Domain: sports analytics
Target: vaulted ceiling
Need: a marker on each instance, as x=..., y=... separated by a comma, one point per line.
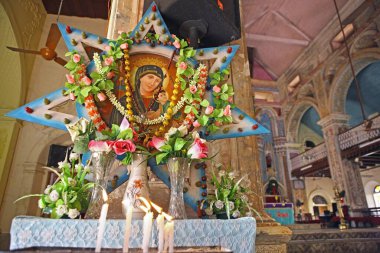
x=279, y=30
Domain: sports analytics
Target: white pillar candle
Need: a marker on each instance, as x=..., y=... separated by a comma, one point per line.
x=160, y=226
x=171, y=236
x=128, y=224
x=147, y=231
x=102, y=222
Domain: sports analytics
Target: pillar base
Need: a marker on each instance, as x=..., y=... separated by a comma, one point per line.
x=272, y=237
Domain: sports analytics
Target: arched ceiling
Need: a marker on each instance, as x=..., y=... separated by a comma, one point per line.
x=280, y=30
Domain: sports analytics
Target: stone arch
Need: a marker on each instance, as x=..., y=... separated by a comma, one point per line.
x=343, y=78
x=368, y=190
x=273, y=117
x=295, y=115
x=325, y=194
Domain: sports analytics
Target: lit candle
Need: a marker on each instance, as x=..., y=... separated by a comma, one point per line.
x=102, y=222
x=169, y=233
x=160, y=226
x=147, y=224
x=128, y=224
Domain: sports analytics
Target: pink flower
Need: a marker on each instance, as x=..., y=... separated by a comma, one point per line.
x=108, y=61
x=110, y=75
x=216, y=89
x=177, y=44
x=70, y=78
x=196, y=124
x=193, y=89
x=101, y=96
x=227, y=111
x=86, y=80
x=124, y=46
x=72, y=96
x=198, y=149
x=107, y=48
x=76, y=58
x=183, y=65
x=124, y=124
x=157, y=142
x=123, y=146
x=218, y=123
x=230, y=99
x=98, y=146
x=209, y=110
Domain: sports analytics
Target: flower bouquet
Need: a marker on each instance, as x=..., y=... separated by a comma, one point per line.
x=230, y=199
x=69, y=195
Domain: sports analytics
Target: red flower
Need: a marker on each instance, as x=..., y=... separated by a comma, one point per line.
x=198, y=149
x=122, y=146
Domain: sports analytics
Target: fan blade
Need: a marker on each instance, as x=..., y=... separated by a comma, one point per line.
x=23, y=50
x=60, y=61
x=53, y=37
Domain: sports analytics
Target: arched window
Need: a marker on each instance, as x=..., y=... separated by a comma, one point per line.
x=309, y=144
x=319, y=200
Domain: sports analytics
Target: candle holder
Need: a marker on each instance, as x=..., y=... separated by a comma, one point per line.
x=177, y=167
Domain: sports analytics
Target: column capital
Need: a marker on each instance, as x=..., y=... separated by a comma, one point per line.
x=334, y=119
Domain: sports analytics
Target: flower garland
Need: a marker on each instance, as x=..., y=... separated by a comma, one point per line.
x=199, y=111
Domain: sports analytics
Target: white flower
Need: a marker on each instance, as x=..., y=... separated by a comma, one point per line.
x=54, y=195
x=61, y=210
x=231, y=175
x=47, y=190
x=63, y=164
x=72, y=181
x=236, y=214
x=209, y=211
x=244, y=198
x=222, y=173
x=219, y=204
x=87, y=169
x=183, y=130
x=77, y=166
x=248, y=214
x=41, y=204
x=231, y=204
x=171, y=132
x=73, y=213
x=195, y=135
x=73, y=156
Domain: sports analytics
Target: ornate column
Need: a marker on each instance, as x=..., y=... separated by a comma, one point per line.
x=282, y=170
x=343, y=172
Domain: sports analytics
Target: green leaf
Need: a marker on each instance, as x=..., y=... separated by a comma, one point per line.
x=203, y=120
x=224, y=97
x=166, y=148
x=160, y=157
x=109, y=85
x=127, y=134
x=205, y=103
x=85, y=91
x=70, y=65
x=188, y=109
x=224, y=87
x=179, y=143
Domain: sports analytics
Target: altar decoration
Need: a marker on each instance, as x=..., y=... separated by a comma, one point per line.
x=154, y=80
x=283, y=213
x=68, y=196
x=27, y=232
x=230, y=199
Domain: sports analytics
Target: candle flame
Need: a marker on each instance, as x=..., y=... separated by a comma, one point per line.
x=167, y=216
x=105, y=196
x=156, y=207
x=146, y=203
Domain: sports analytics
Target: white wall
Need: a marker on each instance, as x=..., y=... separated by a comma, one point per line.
x=319, y=186
x=370, y=179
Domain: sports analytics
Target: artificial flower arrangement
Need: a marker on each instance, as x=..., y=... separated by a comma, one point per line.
x=118, y=139
x=179, y=143
x=69, y=194
x=190, y=81
x=230, y=199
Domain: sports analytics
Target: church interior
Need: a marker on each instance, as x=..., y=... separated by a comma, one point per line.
x=307, y=71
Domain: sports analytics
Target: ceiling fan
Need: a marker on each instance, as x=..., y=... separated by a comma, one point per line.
x=48, y=52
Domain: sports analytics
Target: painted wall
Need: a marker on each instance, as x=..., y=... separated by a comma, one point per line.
x=370, y=179
x=27, y=175
x=319, y=186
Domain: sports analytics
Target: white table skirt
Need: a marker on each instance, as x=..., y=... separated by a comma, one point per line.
x=26, y=232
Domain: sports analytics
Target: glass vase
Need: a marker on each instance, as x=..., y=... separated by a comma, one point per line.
x=177, y=167
x=137, y=185
x=101, y=163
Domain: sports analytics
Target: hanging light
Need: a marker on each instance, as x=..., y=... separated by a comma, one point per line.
x=367, y=123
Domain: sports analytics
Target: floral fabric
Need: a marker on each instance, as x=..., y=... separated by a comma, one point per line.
x=237, y=235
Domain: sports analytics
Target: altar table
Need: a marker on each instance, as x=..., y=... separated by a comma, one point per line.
x=26, y=232
x=281, y=212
